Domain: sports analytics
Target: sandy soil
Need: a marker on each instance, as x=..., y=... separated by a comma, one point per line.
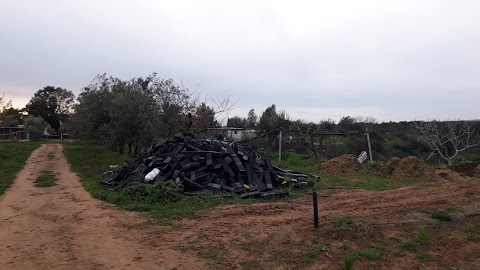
x=62, y=227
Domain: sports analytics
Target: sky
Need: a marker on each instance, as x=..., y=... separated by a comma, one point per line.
x=390, y=60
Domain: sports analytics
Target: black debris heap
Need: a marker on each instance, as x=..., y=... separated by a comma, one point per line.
x=195, y=163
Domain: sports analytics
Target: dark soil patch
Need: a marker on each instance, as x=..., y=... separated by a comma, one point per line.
x=465, y=168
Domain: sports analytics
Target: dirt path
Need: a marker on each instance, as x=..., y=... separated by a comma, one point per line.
x=62, y=227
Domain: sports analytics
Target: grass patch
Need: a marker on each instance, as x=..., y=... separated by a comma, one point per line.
x=347, y=220
x=422, y=237
x=51, y=156
x=312, y=253
x=347, y=262
x=13, y=156
x=442, y=216
x=473, y=233
x=46, y=179
x=368, y=181
x=424, y=257
x=367, y=253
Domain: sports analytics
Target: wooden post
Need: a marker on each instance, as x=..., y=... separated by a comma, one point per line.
x=280, y=146
x=369, y=145
x=315, y=210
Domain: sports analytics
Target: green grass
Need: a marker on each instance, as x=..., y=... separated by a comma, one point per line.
x=422, y=236
x=473, y=233
x=347, y=220
x=13, y=156
x=367, y=253
x=90, y=161
x=312, y=253
x=442, y=215
x=46, y=179
x=347, y=262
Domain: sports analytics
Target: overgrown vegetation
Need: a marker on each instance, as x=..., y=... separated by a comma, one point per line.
x=46, y=179
x=313, y=252
x=473, y=233
x=347, y=220
x=89, y=161
x=13, y=156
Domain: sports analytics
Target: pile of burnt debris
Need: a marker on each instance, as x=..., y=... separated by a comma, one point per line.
x=195, y=163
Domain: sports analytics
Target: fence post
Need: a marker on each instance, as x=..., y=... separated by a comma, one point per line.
x=369, y=145
x=280, y=146
x=315, y=210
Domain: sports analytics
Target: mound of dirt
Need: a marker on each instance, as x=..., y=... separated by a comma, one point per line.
x=448, y=174
x=388, y=168
x=409, y=167
x=465, y=168
x=342, y=165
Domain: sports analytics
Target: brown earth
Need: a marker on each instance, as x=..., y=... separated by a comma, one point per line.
x=409, y=167
x=465, y=168
x=342, y=165
x=64, y=228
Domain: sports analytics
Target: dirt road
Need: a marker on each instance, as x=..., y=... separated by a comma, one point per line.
x=62, y=227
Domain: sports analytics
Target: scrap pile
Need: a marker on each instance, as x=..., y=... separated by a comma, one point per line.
x=195, y=163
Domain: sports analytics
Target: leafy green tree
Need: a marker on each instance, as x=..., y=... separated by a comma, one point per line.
x=204, y=117
x=9, y=116
x=35, y=127
x=54, y=104
x=252, y=119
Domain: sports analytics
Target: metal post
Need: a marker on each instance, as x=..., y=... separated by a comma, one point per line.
x=315, y=210
x=369, y=145
x=280, y=146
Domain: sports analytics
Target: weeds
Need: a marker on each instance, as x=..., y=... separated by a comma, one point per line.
x=46, y=179
x=422, y=237
x=424, y=257
x=366, y=253
x=441, y=215
x=347, y=220
x=312, y=253
x=473, y=233
x=347, y=262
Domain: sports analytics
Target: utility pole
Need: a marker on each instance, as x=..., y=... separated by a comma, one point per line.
x=369, y=145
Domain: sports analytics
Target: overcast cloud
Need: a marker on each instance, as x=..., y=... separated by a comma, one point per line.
x=392, y=60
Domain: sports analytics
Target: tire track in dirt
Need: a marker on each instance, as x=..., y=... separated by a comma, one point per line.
x=62, y=227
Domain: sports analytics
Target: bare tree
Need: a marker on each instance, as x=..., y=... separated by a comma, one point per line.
x=447, y=139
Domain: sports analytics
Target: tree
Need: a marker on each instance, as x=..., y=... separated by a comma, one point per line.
x=272, y=120
x=9, y=116
x=252, y=119
x=237, y=122
x=204, y=117
x=447, y=139
x=35, y=127
x=54, y=104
